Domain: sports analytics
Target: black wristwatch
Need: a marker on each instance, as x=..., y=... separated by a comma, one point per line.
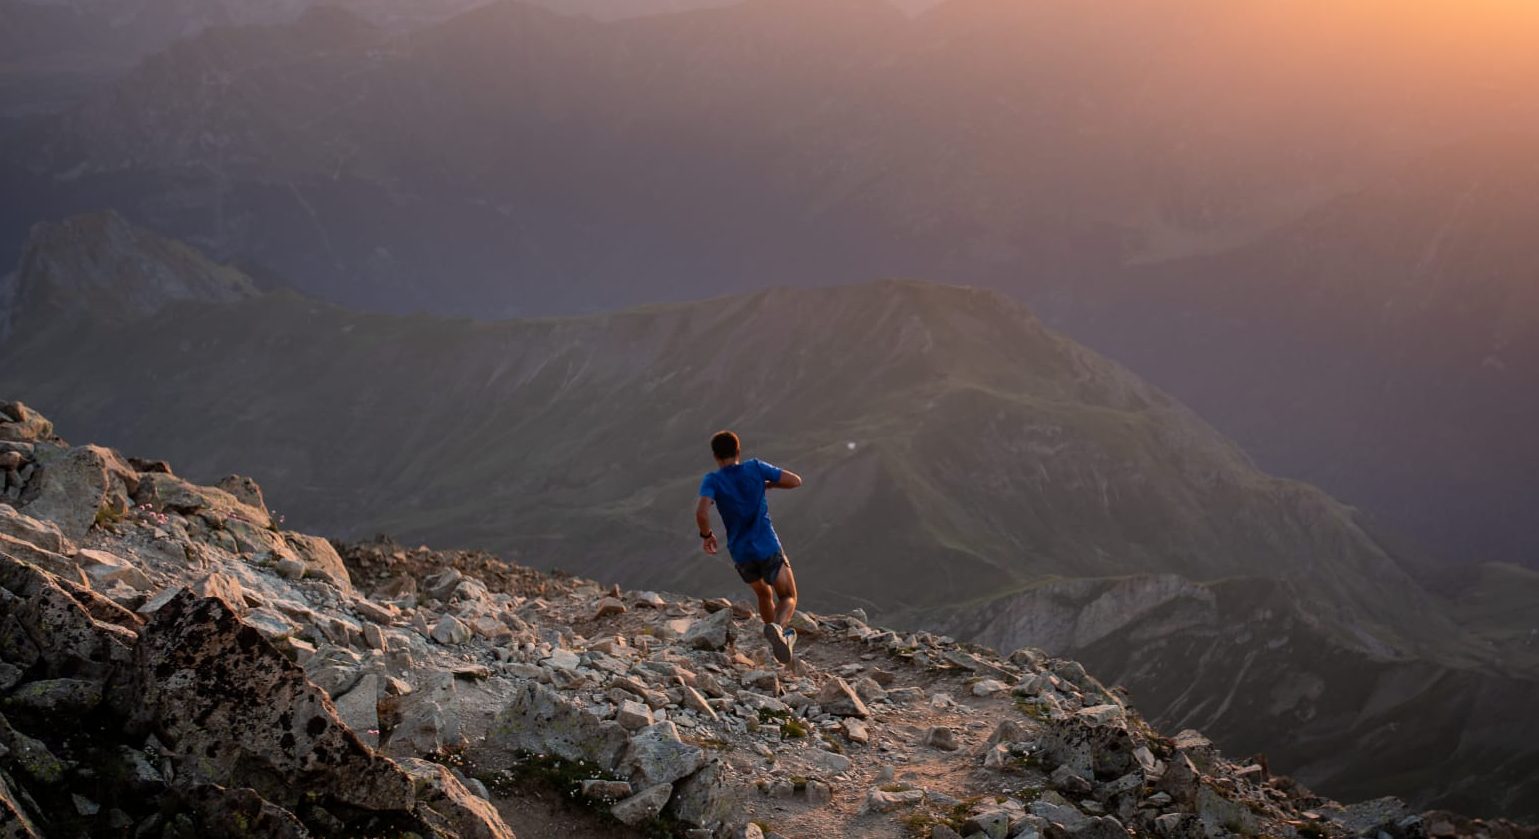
x=706, y=535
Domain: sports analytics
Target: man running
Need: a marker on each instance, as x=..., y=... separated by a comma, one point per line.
x=737, y=489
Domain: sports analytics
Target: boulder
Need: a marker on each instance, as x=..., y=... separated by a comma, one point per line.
x=56, y=698
x=79, y=486
x=941, y=737
x=644, y=806
x=602, y=789
x=609, y=606
x=634, y=716
x=165, y=491
x=245, y=490
x=710, y=633
x=20, y=423
x=45, y=559
x=219, y=811
x=838, y=698
x=451, y=631
x=827, y=762
x=449, y=806
x=42, y=534
x=657, y=755
x=1095, y=745
x=702, y=799
x=424, y=721
x=542, y=721
x=320, y=559
x=884, y=801
x=69, y=630
x=103, y=569
x=359, y=708
x=244, y=716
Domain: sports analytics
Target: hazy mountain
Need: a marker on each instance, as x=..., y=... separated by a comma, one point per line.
x=967, y=469
x=1386, y=346
x=1020, y=145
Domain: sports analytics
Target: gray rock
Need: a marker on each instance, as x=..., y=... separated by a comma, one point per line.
x=103, y=569
x=76, y=485
x=43, y=534
x=601, y=789
x=47, y=560
x=564, y=660
x=634, y=716
x=421, y=721
x=451, y=631
x=882, y=801
x=657, y=755
x=74, y=632
x=319, y=560
x=711, y=633
x=214, y=688
x=941, y=737
x=469, y=816
x=541, y=720
x=56, y=697
x=1055, y=809
x=989, y=687
x=1103, y=714
x=359, y=708
x=994, y=823
x=643, y=806
x=826, y=761
x=702, y=799
x=608, y=606
x=838, y=698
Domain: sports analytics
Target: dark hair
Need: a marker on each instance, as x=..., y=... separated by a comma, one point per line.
x=725, y=445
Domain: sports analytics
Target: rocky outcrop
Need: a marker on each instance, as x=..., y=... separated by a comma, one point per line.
x=171, y=672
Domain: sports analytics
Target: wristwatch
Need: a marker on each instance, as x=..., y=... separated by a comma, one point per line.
x=706, y=535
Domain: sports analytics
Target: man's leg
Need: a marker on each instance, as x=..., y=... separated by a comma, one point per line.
x=766, y=597
x=785, y=592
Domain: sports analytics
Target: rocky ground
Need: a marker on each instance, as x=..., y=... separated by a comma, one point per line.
x=174, y=663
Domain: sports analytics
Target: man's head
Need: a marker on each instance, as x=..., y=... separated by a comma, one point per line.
x=725, y=445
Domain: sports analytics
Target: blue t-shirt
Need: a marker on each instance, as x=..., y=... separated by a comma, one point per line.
x=738, y=491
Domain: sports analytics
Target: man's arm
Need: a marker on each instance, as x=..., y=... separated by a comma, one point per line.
x=788, y=480
x=703, y=523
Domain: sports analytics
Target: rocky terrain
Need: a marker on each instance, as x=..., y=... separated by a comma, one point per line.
x=1104, y=522
x=174, y=663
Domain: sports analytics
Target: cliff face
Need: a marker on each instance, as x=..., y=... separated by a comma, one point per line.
x=173, y=661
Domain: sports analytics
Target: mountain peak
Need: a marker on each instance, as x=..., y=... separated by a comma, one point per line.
x=99, y=266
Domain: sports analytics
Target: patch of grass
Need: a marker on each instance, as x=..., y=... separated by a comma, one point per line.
x=715, y=744
x=107, y=515
x=1030, y=709
x=793, y=728
x=772, y=715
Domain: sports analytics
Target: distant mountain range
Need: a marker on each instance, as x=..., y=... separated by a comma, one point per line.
x=1384, y=346
x=968, y=469
x=1228, y=199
